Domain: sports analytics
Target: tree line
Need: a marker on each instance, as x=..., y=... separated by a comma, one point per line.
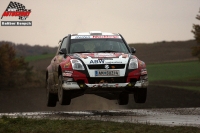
x=14, y=70
x=196, y=32
x=26, y=49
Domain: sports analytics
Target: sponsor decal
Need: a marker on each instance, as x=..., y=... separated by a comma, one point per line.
x=68, y=71
x=104, y=55
x=96, y=61
x=96, y=36
x=82, y=37
x=106, y=36
x=105, y=85
x=67, y=74
x=15, y=9
x=113, y=62
x=67, y=65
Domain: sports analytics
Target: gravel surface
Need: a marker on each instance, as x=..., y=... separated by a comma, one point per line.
x=169, y=117
x=164, y=106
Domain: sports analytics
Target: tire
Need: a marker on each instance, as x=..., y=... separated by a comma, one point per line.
x=140, y=95
x=123, y=98
x=64, y=97
x=51, y=97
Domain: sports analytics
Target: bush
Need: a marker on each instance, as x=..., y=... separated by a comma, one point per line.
x=13, y=70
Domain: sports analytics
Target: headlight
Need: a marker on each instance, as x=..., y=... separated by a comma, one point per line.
x=133, y=64
x=77, y=65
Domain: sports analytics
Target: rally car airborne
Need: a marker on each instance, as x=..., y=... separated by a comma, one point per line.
x=97, y=63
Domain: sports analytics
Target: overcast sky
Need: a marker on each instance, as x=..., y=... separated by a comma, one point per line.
x=139, y=21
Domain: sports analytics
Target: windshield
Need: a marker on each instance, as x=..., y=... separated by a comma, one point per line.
x=97, y=45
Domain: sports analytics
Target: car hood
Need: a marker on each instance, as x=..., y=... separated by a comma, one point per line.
x=103, y=58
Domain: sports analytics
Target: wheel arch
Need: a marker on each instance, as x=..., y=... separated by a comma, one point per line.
x=47, y=75
x=59, y=71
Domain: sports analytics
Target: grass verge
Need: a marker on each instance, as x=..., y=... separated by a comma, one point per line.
x=174, y=71
x=22, y=125
x=182, y=75
x=38, y=57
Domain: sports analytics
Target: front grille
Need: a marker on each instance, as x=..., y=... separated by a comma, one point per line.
x=107, y=80
x=110, y=66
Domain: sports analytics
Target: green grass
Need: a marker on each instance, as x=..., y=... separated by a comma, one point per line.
x=38, y=57
x=174, y=71
x=25, y=125
x=182, y=75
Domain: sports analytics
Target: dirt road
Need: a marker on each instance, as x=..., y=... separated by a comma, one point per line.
x=165, y=98
x=28, y=100
x=169, y=117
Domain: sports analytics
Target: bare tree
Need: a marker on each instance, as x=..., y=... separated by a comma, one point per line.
x=13, y=70
x=196, y=32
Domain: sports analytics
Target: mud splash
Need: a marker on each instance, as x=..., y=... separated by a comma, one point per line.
x=168, y=117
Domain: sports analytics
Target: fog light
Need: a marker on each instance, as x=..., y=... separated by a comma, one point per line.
x=129, y=84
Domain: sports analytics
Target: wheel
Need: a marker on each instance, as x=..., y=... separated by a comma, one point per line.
x=123, y=98
x=140, y=95
x=64, y=97
x=51, y=97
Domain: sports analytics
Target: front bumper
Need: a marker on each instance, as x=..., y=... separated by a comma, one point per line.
x=76, y=86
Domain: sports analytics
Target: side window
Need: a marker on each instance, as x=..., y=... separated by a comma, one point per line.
x=64, y=43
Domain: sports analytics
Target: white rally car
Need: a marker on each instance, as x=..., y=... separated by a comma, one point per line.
x=97, y=63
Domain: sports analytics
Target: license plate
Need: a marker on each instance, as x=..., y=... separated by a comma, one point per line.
x=107, y=73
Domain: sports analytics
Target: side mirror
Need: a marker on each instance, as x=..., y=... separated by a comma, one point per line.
x=59, y=41
x=133, y=50
x=62, y=51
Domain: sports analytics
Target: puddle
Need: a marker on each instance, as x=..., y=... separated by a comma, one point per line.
x=169, y=117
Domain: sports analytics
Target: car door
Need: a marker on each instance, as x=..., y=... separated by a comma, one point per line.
x=58, y=59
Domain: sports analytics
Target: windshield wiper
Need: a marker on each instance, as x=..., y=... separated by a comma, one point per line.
x=107, y=51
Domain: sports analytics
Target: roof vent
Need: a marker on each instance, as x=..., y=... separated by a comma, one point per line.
x=95, y=33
